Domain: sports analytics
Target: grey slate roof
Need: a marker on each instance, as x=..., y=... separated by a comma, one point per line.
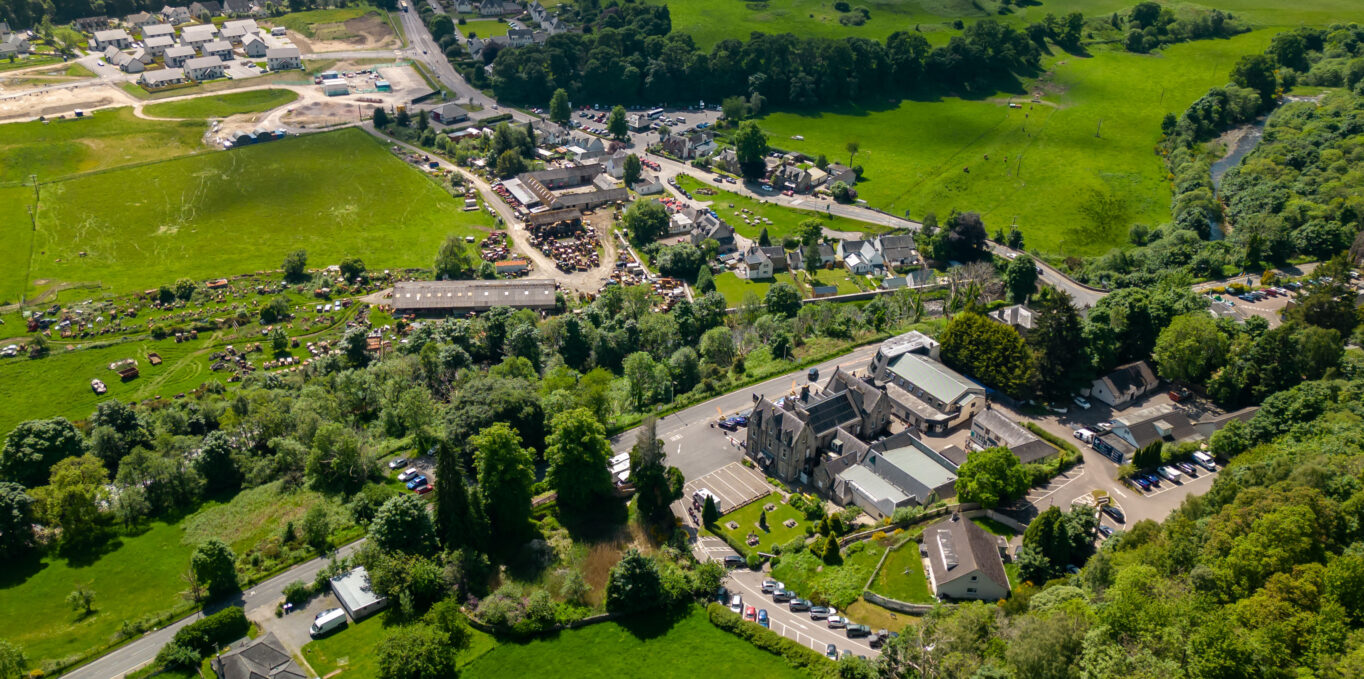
x=959, y=547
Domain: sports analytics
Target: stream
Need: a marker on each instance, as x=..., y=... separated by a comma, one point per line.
x=1244, y=145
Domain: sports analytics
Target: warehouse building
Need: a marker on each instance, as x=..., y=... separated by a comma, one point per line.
x=435, y=298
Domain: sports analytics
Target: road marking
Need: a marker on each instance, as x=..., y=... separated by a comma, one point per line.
x=675, y=437
x=1119, y=492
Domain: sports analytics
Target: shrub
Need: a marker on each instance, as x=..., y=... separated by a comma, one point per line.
x=297, y=592
x=765, y=639
x=202, y=636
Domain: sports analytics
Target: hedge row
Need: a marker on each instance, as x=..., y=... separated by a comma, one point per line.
x=219, y=629
x=766, y=639
x=493, y=120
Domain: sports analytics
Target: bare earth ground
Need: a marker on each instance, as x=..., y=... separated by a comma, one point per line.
x=61, y=101
x=365, y=33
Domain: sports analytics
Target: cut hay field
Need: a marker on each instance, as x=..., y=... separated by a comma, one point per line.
x=306, y=22
x=1071, y=192
x=105, y=139
x=710, y=21
x=335, y=194
x=222, y=105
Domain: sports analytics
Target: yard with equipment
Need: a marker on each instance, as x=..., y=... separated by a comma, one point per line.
x=1075, y=169
x=222, y=105
x=334, y=194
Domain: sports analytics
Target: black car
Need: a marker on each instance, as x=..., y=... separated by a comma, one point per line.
x=813, y=374
x=854, y=631
x=735, y=561
x=875, y=640
x=1114, y=513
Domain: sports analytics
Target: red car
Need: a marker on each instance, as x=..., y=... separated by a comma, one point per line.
x=424, y=489
x=750, y=613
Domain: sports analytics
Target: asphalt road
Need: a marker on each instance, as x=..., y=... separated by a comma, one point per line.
x=798, y=626
x=1082, y=295
x=138, y=653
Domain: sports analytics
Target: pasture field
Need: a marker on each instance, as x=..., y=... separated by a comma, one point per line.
x=710, y=21
x=649, y=645
x=334, y=194
x=222, y=105
x=734, y=207
x=137, y=577
x=306, y=23
x=1071, y=192
x=105, y=139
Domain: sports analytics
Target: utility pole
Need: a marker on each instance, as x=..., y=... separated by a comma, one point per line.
x=32, y=240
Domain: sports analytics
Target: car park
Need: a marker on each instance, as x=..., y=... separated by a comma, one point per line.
x=769, y=585
x=875, y=640
x=1153, y=480
x=751, y=614
x=821, y=612
x=735, y=561
x=1205, y=461
x=408, y=474
x=1141, y=482
x=422, y=490
x=396, y=463
x=853, y=631
x=736, y=603
x=836, y=622
x=763, y=619
x=417, y=482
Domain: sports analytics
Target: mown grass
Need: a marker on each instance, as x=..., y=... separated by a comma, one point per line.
x=994, y=527
x=222, y=105
x=837, y=277
x=305, y=22
x=776, y=533
x=730, y=206
x=485, y=29
x=334, y=194
x=734, y=288
x=1071, y=192
x=902, y=576
x=104, y=139
x=650, y=646
x=351, y=653
x=137, y=577
x=835, y=585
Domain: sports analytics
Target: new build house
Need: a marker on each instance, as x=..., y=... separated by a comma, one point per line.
x=283, y=58
x=204, y=68
x=113, y=37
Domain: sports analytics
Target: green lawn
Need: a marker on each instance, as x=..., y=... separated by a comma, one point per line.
x=730, y=206
x=104, y=139
x=776, y=533
x=994, y=527
x=334, y=194
x=838, y=586
x=485, y=29
x=28, y=62
x=305, y=23
x=139, y=577
x=1072, y=193
x=902, y=576
x=223, y=105
x=649, y=646
x=734, y=288
x=350, y=652
x=837, y=277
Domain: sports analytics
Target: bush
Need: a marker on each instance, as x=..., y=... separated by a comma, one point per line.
x=203, y=636
x=765, y=639
x=297, y=592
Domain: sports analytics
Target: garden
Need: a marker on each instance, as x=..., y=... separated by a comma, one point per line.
x=837, y=584
x=902, y=576
x=784, y=524
x=735, y=288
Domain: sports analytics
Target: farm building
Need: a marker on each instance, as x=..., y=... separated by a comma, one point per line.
x=512, y=267
x=449, y=114
x=353, y=590
x=204, y=68
x=455, y=297
x=283, y=58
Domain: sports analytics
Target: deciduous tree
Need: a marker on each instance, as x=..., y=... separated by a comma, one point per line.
x=214, y=565
x=991, y=477
x=505, y=476
x=33, y=446
x=578, y=453
x=403, y=525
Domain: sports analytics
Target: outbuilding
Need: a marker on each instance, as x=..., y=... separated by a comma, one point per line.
x=356, y=595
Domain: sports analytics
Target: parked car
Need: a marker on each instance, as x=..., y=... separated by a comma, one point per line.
x=875, y=639
x=1141, y=482
x=736, y=603
x=408, y=474
x=783, y=595
x=396, y=463
x=1169, y=473
x=763, y=619
x=735, y=561
x=813, y=374
x=1114, y=513
x=821, y=612
x=798, y=605
x=1105, y=531
x=769, y=585
x=846, y=654
x=831, y=652
x=1187, y=468
x=727, y=424
x=836, y=622
x=1154, y=480
x=424, y=489
x=1072, y=569
x=417, y=482
x=854, y=631
x=751, y=614
x=327, y=621
x=1205, y=461
x=1080, y=401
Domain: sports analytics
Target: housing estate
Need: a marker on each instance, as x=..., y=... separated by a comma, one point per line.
x=204, y=68
x=113, y=37
x=164, y=77
x=964, y=561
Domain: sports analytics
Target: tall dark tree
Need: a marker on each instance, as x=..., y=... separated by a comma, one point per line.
x=1058, y=344
x=578, y=453
x=216, y=462
x=16, y=521
x=657, y=486
x=32, y=447
x=505, y=475
x=456, y=518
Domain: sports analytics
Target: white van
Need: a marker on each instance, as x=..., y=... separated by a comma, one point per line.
x=326, y=621
x=1170, y=473
x=1205, y=461
x=699, y=498
x=1085, y=435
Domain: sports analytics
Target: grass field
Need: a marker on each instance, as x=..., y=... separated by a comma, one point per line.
x=902, y=576
x=838, y=586
x=141, y=576
x=485, y=29
x=28, y=62
x=648, y=646
x=730, y=206
x=59, y=385
x=839, y=278
x=306, y=22
x=734, y=288
x=222, y=105
x=335, y=194
x=1071, y=192
x=710, y=21
x=776, y=533
x=350, y=652
x=105, y=139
